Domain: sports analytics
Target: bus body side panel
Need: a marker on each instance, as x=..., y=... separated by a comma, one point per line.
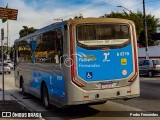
x=52, y=74
x=34, y=73
x=66, y=66
x=23, y=72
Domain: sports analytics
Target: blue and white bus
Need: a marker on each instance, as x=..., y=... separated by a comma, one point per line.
x=80, y=61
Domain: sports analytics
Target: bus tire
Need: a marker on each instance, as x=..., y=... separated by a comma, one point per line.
x=45, y=97
x=22, y=86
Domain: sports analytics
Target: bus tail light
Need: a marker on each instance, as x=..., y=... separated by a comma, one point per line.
x=133, y=78
x=74, y=80
x=129, y=91
x=86, y=96
x=78, y=83
x=135, y=57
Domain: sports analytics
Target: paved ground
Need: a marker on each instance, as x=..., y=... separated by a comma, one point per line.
x=149, y=89
x=9, y=107
x=9, y=104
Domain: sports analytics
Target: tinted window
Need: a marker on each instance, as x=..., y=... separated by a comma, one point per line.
x=141, y=63
x=24, y=52
x=48, y=45
x=4, y=64
x=146, y=62
x=157, y=62
x=97, y=36
x=102, y=32
x=43, y=48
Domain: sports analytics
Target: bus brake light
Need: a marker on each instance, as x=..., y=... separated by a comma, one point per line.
x=78, y=83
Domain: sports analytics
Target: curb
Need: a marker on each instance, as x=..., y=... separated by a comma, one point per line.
x=13, y=98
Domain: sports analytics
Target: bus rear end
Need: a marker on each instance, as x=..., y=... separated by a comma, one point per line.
x=104, y=60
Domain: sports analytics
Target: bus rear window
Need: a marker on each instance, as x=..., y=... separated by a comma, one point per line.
x=93, y=36
x=102, y=32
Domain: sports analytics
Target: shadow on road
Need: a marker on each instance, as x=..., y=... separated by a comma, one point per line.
x=71, y=112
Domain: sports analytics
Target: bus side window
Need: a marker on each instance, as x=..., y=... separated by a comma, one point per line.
x=18, y=53
x=59, y=46
x=16, y=56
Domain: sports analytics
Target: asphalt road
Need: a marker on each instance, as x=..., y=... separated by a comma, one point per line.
x=148, y=101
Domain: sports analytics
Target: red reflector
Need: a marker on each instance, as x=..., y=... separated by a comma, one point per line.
x=133, y=78
x=129, y=91
x=80, y=84
x=86, y=96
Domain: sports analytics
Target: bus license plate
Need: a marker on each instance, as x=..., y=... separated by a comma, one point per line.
x=106, y=85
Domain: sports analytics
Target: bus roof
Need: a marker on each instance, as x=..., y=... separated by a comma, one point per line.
x=112, y=20
x=74, y=21
x=40, y=31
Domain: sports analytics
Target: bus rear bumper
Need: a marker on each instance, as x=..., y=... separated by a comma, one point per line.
x=104, y=96
x=108, y=99
x=124, y=93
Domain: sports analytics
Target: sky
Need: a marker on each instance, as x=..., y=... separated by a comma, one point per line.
x=40, y=13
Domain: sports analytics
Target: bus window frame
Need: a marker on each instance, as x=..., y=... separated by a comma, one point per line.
x=95, y=47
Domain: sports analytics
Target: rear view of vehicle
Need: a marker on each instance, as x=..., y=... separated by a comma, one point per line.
x=88, y=60
x=10, y=63
x=104, y=60
x=7, y=69
x=149, y=67
x=156, y=66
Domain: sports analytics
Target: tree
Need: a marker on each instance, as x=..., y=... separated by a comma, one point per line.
x=80, y=16
x=26, y=31
x=137, y=18
x=5, y=52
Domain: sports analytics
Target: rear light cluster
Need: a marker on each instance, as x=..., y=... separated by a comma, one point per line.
x=135, y=56
x=74, y=80
x=133, y=78
x=78, y=83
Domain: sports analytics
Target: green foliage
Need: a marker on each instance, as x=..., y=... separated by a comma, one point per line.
x=5, y=51
x=137, y=18
x=26, y=31
x=78, y=17
x=4, y=20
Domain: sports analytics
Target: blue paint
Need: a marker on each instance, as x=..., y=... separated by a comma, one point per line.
x=32, y=45
x=54, y=82
x=104, y=65
x=89, y=75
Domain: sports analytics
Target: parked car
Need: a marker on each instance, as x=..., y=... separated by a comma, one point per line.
x=10, y=63
x=7, y=69
x=149, y=67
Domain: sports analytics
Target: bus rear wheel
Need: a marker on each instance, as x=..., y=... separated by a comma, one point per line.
x=45, y=97
x=22, y=86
